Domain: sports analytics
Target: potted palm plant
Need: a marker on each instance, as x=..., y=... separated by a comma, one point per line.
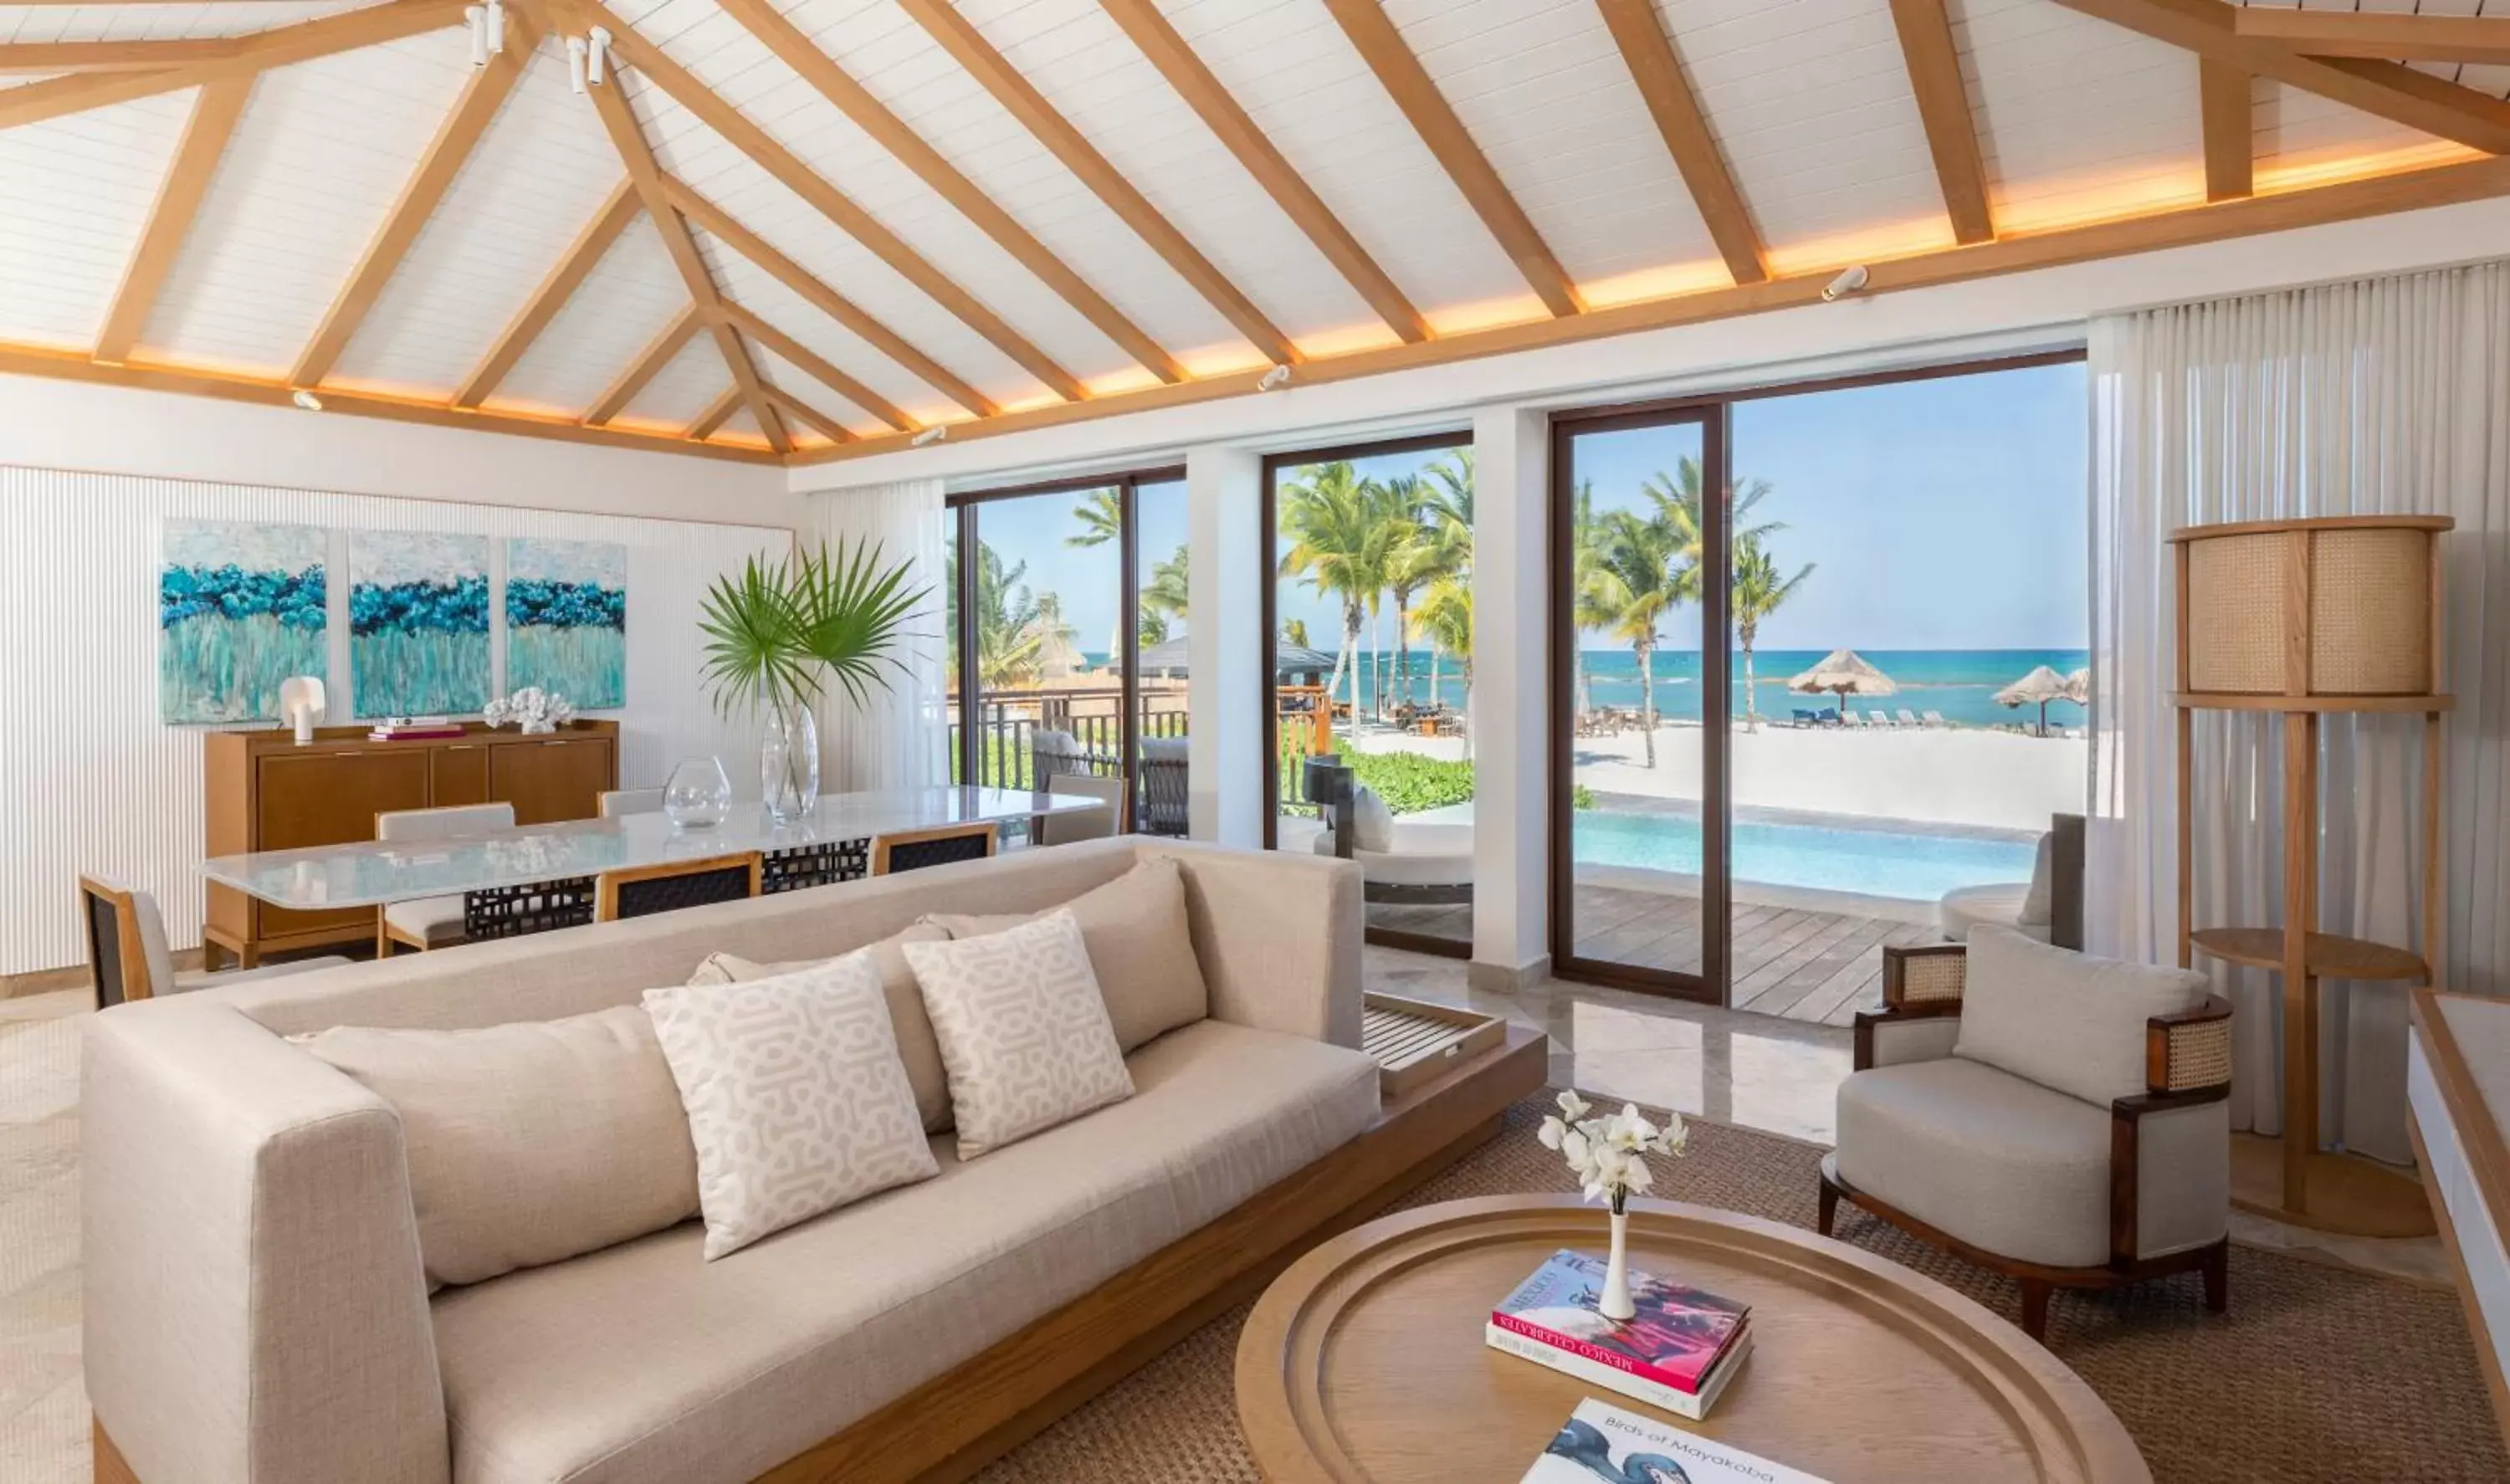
x=777, y=632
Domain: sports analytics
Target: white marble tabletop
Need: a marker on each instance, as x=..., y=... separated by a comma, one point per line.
x=372, y=873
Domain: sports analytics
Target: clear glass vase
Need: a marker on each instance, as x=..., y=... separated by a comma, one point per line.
x=698, y=794
x=789, y=762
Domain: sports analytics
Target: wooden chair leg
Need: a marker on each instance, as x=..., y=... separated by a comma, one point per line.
x=2035, y=1309
x=2218, y=1277
x=1829, y=1208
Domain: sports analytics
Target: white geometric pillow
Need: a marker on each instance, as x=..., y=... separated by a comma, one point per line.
x=796, y=1099
x=1023, y=1030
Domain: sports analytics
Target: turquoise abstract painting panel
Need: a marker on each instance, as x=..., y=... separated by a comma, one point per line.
x=418, y=622
x=239, y=608
x=566, y=619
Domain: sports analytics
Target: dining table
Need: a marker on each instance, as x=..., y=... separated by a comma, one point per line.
x=831, y=838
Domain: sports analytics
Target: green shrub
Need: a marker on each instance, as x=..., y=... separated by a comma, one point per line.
x=1408, y=782
x=1581, y=796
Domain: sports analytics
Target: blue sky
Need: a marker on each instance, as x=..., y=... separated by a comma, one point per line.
x=1949, y=514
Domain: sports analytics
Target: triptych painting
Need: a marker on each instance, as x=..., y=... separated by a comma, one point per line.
x=244, y=606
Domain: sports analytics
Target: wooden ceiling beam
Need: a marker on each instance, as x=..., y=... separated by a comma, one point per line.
x=1943, y=106
x=573, y=267
x=2154, y=232
x=1648, y=51
x=629, y=137
x=20, y=57
x=648, y=364
x=188, y=381
x=2379, y=34
x=1402, y=74
x=683, y=87
x=2226, y=99
x=968, y=45
x=2384, y=89
x=482, y=96
x=215, y=112
x=719, y=224
x=56, y=97
x=793, y=406
x=717, y=413
x=818, y=366
x=855, y=101
x=1202, y=92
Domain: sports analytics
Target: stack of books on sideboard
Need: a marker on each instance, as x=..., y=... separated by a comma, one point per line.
x=1678, y=1352
x=415, y=728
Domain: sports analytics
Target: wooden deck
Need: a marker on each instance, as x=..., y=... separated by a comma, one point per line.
x=1798, y=962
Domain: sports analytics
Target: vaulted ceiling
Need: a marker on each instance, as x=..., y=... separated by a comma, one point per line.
x=780, y=229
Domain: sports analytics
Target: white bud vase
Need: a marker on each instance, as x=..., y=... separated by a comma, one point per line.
x=1615, y=1303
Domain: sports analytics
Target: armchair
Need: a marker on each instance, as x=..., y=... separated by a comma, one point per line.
x=2075, y=1134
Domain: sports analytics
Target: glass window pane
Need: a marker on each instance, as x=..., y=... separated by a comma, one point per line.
x=1162, y=616
x=1046, y=644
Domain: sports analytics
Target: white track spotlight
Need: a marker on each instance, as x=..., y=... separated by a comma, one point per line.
x=497, y=26
x=1274, y=380
x=575, y=58
x=600, y=59
x=475, y=16
x=306, y=400
x=931, y=436
x=1847, y=282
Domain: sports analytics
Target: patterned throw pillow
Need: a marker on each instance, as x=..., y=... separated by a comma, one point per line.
x=1023, y=1030
x=796, y=1099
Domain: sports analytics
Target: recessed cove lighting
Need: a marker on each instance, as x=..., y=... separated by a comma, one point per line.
x=306, y=400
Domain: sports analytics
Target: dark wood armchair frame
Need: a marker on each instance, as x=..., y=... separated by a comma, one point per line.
x=2187, y=1062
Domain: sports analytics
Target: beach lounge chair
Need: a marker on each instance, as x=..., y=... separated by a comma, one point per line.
x=1806, y=717
x=1936, y=719
x=1879, y=719
x=1908, y=718
x=1829, y=716
x=1848, y=717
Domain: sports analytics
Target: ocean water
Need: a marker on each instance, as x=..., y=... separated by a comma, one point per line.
x=1872, y=861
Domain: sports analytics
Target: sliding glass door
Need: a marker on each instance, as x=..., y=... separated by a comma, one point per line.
x=1048, y=614
x=1821, y=664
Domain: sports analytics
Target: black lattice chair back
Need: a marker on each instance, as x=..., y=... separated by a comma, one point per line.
x=917, y=848
x=648, y=890
x=101, y=912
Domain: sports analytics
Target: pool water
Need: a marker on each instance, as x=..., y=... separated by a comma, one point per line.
x=1872, y=862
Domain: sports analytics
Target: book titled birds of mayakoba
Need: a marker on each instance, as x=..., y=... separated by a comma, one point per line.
x=1674, y=1340
x=1603, y=1444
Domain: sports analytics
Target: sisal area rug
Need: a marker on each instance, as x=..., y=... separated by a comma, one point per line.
x=2318, y=1373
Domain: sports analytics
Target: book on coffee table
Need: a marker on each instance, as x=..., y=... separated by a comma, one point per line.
x=1602, y=1443
x=1678, y=1352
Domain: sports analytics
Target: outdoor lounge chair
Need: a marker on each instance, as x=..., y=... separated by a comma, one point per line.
x=1848, y=717
x=1908, y=718
x=1936, y=719
x=1804, y=717
x=1427, y=865
x=1880, y=718
x=2050, y=906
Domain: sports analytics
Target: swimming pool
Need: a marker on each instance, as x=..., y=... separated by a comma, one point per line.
x=1873, y=863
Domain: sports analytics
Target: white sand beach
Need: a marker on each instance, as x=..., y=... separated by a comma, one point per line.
x=1949, y=775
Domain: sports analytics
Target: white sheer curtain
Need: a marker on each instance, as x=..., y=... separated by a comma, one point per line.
x=2386, y=394
x=898, y=737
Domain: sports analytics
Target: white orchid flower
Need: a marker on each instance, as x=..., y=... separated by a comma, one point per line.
x=1572, y=1106
x=1550, y=1135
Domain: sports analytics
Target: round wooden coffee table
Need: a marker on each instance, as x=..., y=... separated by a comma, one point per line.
x=1365, y=1360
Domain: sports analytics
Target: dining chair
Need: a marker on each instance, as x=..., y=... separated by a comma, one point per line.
x=1091, y=825
x=642, y=891
x=912, y=850
x=127, y=956
x=617, y=802
x=431, y=922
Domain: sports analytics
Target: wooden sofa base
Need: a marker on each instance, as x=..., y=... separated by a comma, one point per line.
x=957, y=1423
x=2038, y=1279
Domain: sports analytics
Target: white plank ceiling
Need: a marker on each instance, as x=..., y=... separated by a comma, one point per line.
x=1809, y=102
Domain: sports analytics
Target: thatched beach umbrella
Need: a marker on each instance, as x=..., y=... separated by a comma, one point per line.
x=2042, y=685
x=1844, y=672
x=2079, y=686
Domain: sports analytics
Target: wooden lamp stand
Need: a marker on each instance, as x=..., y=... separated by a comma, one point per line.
x=2303, y=618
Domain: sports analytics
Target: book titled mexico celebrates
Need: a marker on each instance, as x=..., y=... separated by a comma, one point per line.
x=1603, y=1444
x=1678, y=1350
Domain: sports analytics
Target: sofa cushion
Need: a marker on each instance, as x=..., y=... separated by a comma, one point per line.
x=2002, y=1163
x=1141, y=948
x=529, y=1143
x=642, y=1365
x=2064, y=1019
x=1023, y=1030
x=916, y=1046
x=2040, y=901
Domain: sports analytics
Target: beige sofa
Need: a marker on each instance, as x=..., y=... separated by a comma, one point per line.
x=255, y=1309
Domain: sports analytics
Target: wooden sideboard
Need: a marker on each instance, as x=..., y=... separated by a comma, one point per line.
x=267, y=793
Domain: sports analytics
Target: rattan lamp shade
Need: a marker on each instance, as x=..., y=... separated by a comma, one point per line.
x=2335, y=614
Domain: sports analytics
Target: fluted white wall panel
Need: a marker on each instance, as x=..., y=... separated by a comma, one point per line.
x=92, y=780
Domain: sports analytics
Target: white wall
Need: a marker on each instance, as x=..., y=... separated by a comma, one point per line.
x=50, y=424
x=91, y=781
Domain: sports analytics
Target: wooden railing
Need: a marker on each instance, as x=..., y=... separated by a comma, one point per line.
x=1007, y=722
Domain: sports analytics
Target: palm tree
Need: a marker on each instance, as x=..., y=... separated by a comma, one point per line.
x=1589, y=597
x=1758, y=592
x=1416, y=559
x=1164, y=596
x=1007, y=641
x=1638, y=580
x=1295, y=631
x=1447, y=525
x=1339, y=546
x=1445, y=618
x=1101, y=513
